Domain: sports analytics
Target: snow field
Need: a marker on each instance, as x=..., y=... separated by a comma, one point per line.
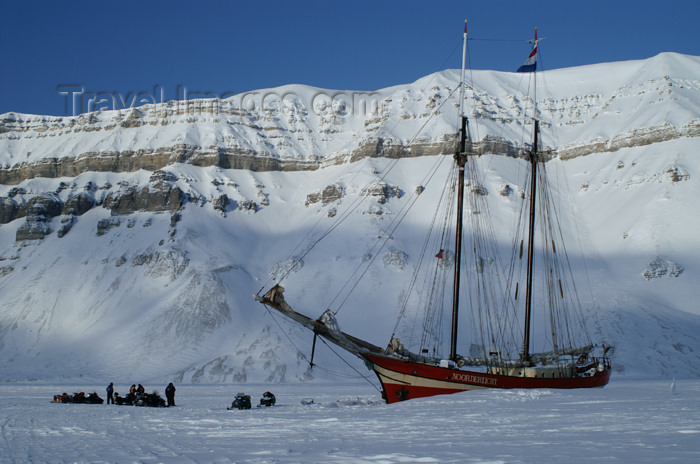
x=627, y=421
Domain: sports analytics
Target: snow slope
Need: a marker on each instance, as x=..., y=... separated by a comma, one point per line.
x=157, y=297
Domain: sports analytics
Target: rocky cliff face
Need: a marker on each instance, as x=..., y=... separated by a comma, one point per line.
x=71, y=201
x=300, y=128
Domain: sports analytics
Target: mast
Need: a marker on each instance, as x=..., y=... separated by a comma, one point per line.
x=531, y=225
x=460, y=159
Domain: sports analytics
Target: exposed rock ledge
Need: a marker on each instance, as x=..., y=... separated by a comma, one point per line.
x=633, y=138
x=155, y=159
x=152, y=160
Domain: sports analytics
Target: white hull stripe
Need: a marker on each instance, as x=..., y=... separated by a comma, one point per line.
x=396, y=378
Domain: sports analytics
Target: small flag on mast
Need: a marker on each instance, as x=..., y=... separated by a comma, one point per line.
x=530, y=64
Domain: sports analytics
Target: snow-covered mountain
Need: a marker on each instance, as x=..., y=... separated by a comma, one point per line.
x=132, y=241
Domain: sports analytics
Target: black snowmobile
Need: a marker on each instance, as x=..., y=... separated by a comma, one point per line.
x=268, y=399
x=242, y=401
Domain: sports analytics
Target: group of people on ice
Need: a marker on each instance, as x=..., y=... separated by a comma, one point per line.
x=137, y=396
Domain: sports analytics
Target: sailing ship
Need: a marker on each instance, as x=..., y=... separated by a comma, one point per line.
x=504, y=357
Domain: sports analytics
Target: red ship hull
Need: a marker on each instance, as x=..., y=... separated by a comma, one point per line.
x=404, y=380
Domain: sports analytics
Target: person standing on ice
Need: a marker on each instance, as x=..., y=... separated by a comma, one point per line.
x=110, y=392
x=170, y=394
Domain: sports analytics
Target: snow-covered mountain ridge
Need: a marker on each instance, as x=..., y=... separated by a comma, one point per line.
x=594, y=108
x=131, y=241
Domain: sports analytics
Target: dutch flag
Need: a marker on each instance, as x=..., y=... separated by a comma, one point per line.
x=531, y=63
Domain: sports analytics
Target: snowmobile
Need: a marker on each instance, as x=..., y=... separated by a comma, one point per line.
x=242, y=401
x=149, y=399
x=268, y=399
x=80, y=398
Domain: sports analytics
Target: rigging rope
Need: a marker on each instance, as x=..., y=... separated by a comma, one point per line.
x=497, y=40
x=383, y=239
x=365, y=192
x=305, y=358
x=349, y=365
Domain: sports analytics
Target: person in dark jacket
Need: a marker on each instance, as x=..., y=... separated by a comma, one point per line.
x=170, y=394
x=110, y=392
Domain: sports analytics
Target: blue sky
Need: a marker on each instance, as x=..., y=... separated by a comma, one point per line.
x=220, y=48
